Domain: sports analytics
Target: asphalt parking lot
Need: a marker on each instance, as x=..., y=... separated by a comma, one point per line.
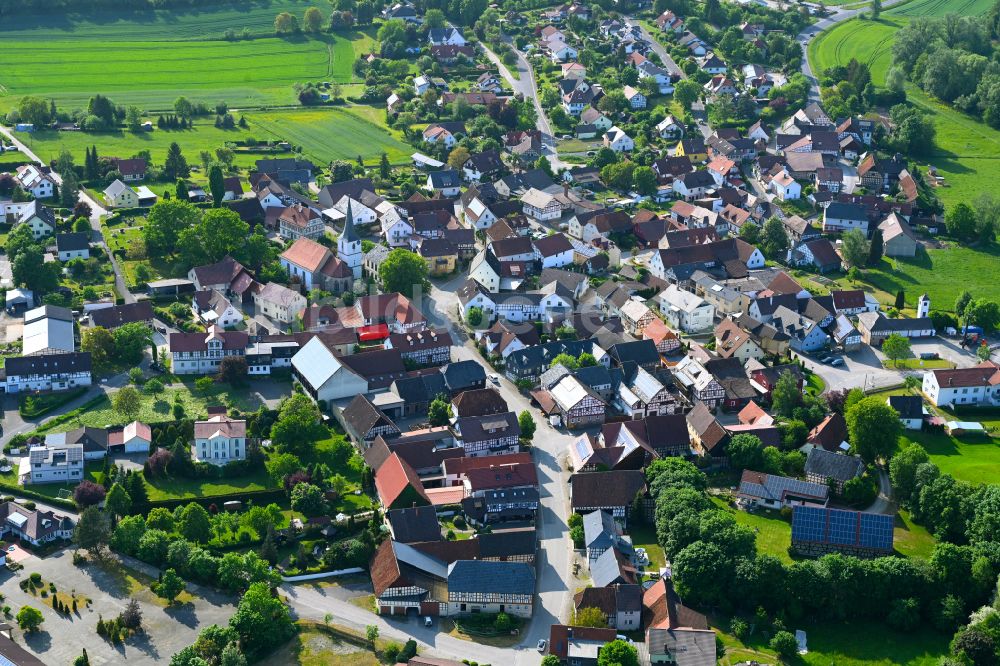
x=167, y=629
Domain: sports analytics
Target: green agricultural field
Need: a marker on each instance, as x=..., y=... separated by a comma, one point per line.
x=325, y=134
x=203, y=136
x=151, y=57
x=966, y=151
x=338, y=133
x=869, y=42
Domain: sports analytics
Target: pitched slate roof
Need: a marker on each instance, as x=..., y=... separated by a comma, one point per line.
x=776, y=488
x=837, y=466
x=414, y=524
x=488, y=577
x=908, y=406
x=479, y=402
x=616, y=488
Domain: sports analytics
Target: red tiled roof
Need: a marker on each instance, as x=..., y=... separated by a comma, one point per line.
x=306, y=253
x=392, y=479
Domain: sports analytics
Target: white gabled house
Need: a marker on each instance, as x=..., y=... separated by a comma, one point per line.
x=617, y=140
x=670, y=128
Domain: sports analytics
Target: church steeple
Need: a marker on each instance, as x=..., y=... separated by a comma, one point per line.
x=349, y=244
x=350, y=234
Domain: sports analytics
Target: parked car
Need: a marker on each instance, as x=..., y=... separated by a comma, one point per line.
x=542, y=643
x=495, y=379
x=428, y=621
x=837, y=362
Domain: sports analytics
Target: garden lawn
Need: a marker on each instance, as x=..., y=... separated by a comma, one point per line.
x=91, y=469
x=324, y=452
x=158, y=408
x=204, y=135
x=843, y=644
x=645, y=537
x=151, y=57
x=313, y=646
x=333, y=133
x=973, y=458
x=918, y=364
x=773, y=533
x=910, y=539
x=171, y=488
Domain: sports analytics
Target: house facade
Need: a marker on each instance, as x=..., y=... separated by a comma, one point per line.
x=219, y=440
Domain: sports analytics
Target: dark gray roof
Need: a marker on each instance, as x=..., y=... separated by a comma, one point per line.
x=73, y=241
x=473, y=576
x=846, y=211
x=833, y=465
x=119, y=315
x=507, y=543
x=441, y=179
x=416, y=524
x=361, y=415
x=463, y=375
x=594, y=375
x=641, y=352
x=600, y=529
x=908, y=406
x=608, y=569
x=47, y=364
x=422, y=388
x=539, y=356
x=484, y=428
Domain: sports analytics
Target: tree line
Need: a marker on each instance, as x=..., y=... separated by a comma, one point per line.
x=716, y=564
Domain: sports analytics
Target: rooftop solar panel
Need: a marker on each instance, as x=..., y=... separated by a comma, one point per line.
x=838, y=527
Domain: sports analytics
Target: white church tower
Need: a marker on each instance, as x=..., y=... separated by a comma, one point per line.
x=349, y=245
x=924, y=306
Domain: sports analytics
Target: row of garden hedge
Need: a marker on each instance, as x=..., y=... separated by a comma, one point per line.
x=33, y=406
x=25, y=493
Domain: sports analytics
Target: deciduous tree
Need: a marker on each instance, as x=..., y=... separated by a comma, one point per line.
x=29, y=619
x=166, y=220
x=169, y=586
x=896, y=347
x=527, y=423
x=127, y=402
x=873, y=427
x=312, y=20
x=298, y=425
x=855, y=248
x=403, y=271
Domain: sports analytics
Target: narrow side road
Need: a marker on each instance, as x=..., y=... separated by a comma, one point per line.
x=527, y=87
x=96, y=213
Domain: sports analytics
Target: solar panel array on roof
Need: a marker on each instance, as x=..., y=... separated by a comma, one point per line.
x=838, y=527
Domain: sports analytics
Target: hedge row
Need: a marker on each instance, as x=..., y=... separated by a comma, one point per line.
x=21, y=491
